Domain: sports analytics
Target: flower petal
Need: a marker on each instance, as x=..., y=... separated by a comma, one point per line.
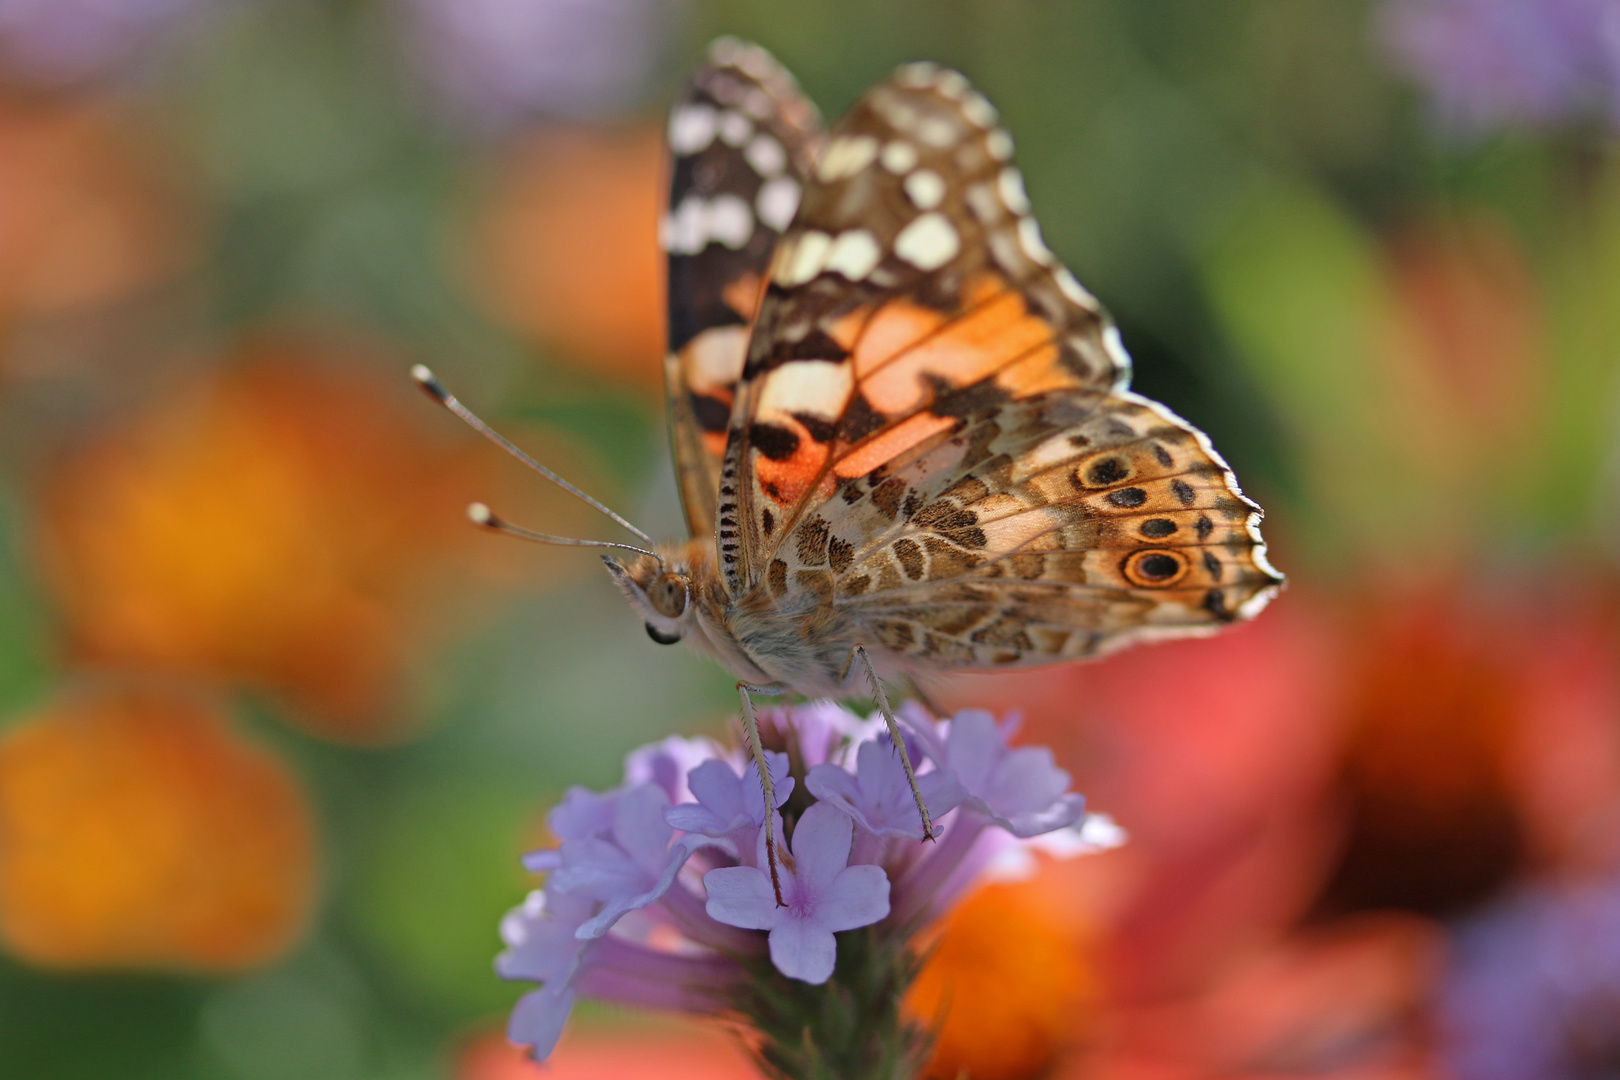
x=741, y=896
x=858, y=896
x=821, y=845
x=804, y=950
x=538, y=1018
x=639, y=826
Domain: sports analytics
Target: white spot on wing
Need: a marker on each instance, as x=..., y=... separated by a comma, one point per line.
x=1029, y=238
x=928, y=242
x=1000, y=144
x=1073, y=289
x=925, y=188
x=1011, y=185
x=730, y=221
x=765, y=155
x=847, y=156
x=936, y=131
x=685, y=229
x=715, y=357
x=821, y=387
x=805, y=258
x=977, y=108
x=735, y=128
x=951, y=84
x=899, y=157
x=691, y=128
x=777, y=201
x=854, y=254
x=920, y=73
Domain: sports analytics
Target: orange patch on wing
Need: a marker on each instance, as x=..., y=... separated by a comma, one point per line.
x=896, y=327
x=784, y=482
x=890, y=444
x=1037, y=373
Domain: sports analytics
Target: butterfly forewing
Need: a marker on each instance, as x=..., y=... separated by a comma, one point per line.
x=931, y=441
x=741, y=139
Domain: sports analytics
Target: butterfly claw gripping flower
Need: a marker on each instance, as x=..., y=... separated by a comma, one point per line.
x=672, y=906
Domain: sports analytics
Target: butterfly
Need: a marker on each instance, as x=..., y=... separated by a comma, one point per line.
x=902, y=429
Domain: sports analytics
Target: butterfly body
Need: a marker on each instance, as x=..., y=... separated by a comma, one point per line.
x=899, y=423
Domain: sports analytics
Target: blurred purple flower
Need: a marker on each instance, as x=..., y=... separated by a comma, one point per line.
x=822, y=894
x=1534, y=992
x=62, y=42
x=491, y=63
x=1490, y=64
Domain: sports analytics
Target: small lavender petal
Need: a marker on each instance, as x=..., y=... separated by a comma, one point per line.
x=583, y=813
x=879, y=796
x=729, y=801
x=858, y=896
x=639, y=826
x=804, y=949
x=741, y=896
x=667, y=763
x=821, y=845
x=537, y=1020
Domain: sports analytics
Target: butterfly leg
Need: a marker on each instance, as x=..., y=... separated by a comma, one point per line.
x=882, y=699
x=757, y=749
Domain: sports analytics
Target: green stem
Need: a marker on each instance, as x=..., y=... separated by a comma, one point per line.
x=848, y=1028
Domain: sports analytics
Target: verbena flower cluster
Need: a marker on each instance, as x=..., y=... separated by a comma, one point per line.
x=659, y=893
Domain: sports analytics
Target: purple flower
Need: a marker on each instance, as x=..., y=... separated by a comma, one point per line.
x=1490, y=64
x=493, y=62
x=620, y=917
x=629, y=870
x=542, y=947
x=822, y=893
x=878, y=796
x=730, y=806
x=1022, y=790
x=1534, y=991
x=61, y=42
x=666, y=763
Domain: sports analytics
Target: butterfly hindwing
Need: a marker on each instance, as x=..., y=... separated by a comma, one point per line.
x=932, y=436
x=741, y=138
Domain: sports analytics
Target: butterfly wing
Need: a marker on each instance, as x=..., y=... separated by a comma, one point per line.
x=932, y=434
x=741, y=138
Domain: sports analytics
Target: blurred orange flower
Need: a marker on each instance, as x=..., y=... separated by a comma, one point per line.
x=279, y=526
x=1011, y=975
x=85, y=217
x=564, y=248
x=137, y=830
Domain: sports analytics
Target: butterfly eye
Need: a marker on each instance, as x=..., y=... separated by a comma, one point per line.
x=668, y=595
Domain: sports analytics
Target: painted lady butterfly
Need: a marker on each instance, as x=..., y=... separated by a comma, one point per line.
x=901, y=427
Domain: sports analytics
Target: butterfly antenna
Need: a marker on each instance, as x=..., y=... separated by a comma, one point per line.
x=435, y=389
x=485, y=518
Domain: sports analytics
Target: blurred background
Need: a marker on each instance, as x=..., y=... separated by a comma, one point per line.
x=275, y=723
